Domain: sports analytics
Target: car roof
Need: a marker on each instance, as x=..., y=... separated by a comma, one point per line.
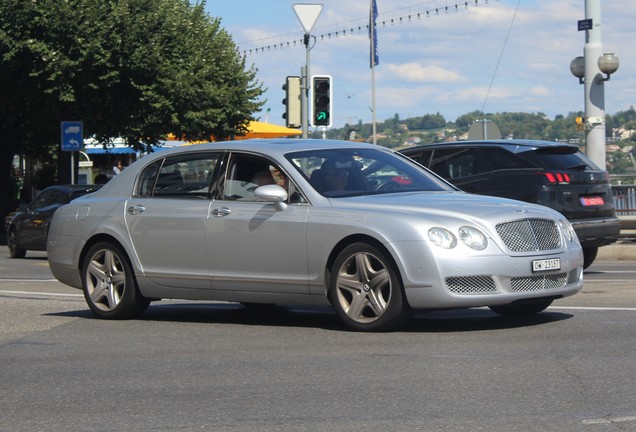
x=274, y=147
x=516, y=145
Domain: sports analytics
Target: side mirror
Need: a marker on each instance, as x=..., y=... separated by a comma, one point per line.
x=273, y=194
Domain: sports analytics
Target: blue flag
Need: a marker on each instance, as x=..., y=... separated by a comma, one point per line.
x=374, y=58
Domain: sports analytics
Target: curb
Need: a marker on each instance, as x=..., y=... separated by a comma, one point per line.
x=623, y=250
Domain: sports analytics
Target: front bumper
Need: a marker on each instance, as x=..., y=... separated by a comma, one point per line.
x=447, y=280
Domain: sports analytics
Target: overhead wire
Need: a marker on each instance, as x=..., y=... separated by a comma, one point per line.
x=396, y=16
x=501, y=52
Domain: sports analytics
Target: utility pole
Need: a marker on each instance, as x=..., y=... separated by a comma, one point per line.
x=590, y=69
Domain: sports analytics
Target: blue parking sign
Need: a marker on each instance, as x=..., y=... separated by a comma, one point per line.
x=72, y=135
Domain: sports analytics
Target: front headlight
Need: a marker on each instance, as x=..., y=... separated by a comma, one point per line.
x=442, y=237
x=473, y=238
x=567, y=230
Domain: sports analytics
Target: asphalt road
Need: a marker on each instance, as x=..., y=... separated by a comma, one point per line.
x=187, y=366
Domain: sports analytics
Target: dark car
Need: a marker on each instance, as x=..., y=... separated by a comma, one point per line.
x=28, y=228
x=556, y=175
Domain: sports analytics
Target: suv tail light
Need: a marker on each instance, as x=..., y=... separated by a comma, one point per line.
x=557, y=177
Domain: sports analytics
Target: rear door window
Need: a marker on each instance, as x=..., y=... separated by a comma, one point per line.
x=186, y=176
x=461, y=162
x=457, y=162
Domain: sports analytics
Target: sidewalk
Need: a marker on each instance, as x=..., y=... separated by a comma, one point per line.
x=622, y=250
x=625, y=248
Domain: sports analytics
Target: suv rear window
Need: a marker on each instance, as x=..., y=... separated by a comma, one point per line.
x=560, y=158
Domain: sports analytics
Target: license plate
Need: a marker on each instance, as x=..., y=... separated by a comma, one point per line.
x=592, y=201
x=546, y=264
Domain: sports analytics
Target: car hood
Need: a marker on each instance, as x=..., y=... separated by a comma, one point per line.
x=453, y=204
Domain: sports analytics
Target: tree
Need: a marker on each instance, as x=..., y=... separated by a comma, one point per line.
x=137, y=69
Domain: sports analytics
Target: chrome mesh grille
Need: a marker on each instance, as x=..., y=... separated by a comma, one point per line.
x=539, y=282
x=525, y=235
x=471, y=285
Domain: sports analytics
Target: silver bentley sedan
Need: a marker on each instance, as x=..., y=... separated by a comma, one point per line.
x=351, y=225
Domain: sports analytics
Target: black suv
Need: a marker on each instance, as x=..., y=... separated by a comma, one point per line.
x=553, y=174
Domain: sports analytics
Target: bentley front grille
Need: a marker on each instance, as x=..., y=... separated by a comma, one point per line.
x=528, y=235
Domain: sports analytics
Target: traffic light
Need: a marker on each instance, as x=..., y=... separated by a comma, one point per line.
x=580, y=123
x=321, y=100
x=292, y=103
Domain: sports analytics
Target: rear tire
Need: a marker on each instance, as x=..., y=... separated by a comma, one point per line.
x=366, y=291
x=12, y=242
x=589, y=255
x=109, y=285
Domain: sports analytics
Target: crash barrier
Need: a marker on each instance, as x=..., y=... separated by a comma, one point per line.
x=624, y=199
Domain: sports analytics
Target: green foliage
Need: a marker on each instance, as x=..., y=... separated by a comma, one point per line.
x=139, y=69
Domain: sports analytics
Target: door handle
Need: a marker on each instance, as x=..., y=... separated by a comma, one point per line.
x=220, y=212
x=136, y=209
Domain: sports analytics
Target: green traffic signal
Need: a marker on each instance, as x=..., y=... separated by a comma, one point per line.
x=321, y=100
x=322, y=116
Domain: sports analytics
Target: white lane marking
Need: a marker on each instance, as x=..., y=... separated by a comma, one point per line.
x=40, y=293
x=594, y=308
x=28, y=280
x=610, y=271
x=610, y=420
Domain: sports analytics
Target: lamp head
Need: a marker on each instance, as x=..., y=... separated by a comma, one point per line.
x=608, y=63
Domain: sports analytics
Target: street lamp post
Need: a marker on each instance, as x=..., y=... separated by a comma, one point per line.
x=589, y=69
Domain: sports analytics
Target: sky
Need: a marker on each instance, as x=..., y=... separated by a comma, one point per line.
x=490, y=55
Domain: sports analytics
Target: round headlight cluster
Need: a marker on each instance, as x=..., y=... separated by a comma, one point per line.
x=567, y=230
x=442, y=237
x=470, y=236
x=473, y=238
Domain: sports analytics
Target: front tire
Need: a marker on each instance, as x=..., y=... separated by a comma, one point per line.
x=12, y=242
x=109, y=285
x=365, y=290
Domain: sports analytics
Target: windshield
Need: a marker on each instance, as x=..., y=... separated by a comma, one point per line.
x=355, y=172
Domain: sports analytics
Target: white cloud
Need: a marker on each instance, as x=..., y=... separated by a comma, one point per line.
x=415, y=72
x=540, y=91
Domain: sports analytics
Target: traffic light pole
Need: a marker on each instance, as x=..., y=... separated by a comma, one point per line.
x=307, y=14
x=305, y=89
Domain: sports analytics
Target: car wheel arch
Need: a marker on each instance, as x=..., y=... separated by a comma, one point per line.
x=98, y=239
x=357, y=238
x=109, y=281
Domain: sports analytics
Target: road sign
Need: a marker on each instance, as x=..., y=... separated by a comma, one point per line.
x=307, y=14
x=72, y=135
x=585, y=24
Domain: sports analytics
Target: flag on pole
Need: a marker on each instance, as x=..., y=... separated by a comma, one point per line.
x=374, y=59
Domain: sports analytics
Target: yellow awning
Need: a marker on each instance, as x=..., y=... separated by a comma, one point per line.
x=256, y=129
x=267, y=130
